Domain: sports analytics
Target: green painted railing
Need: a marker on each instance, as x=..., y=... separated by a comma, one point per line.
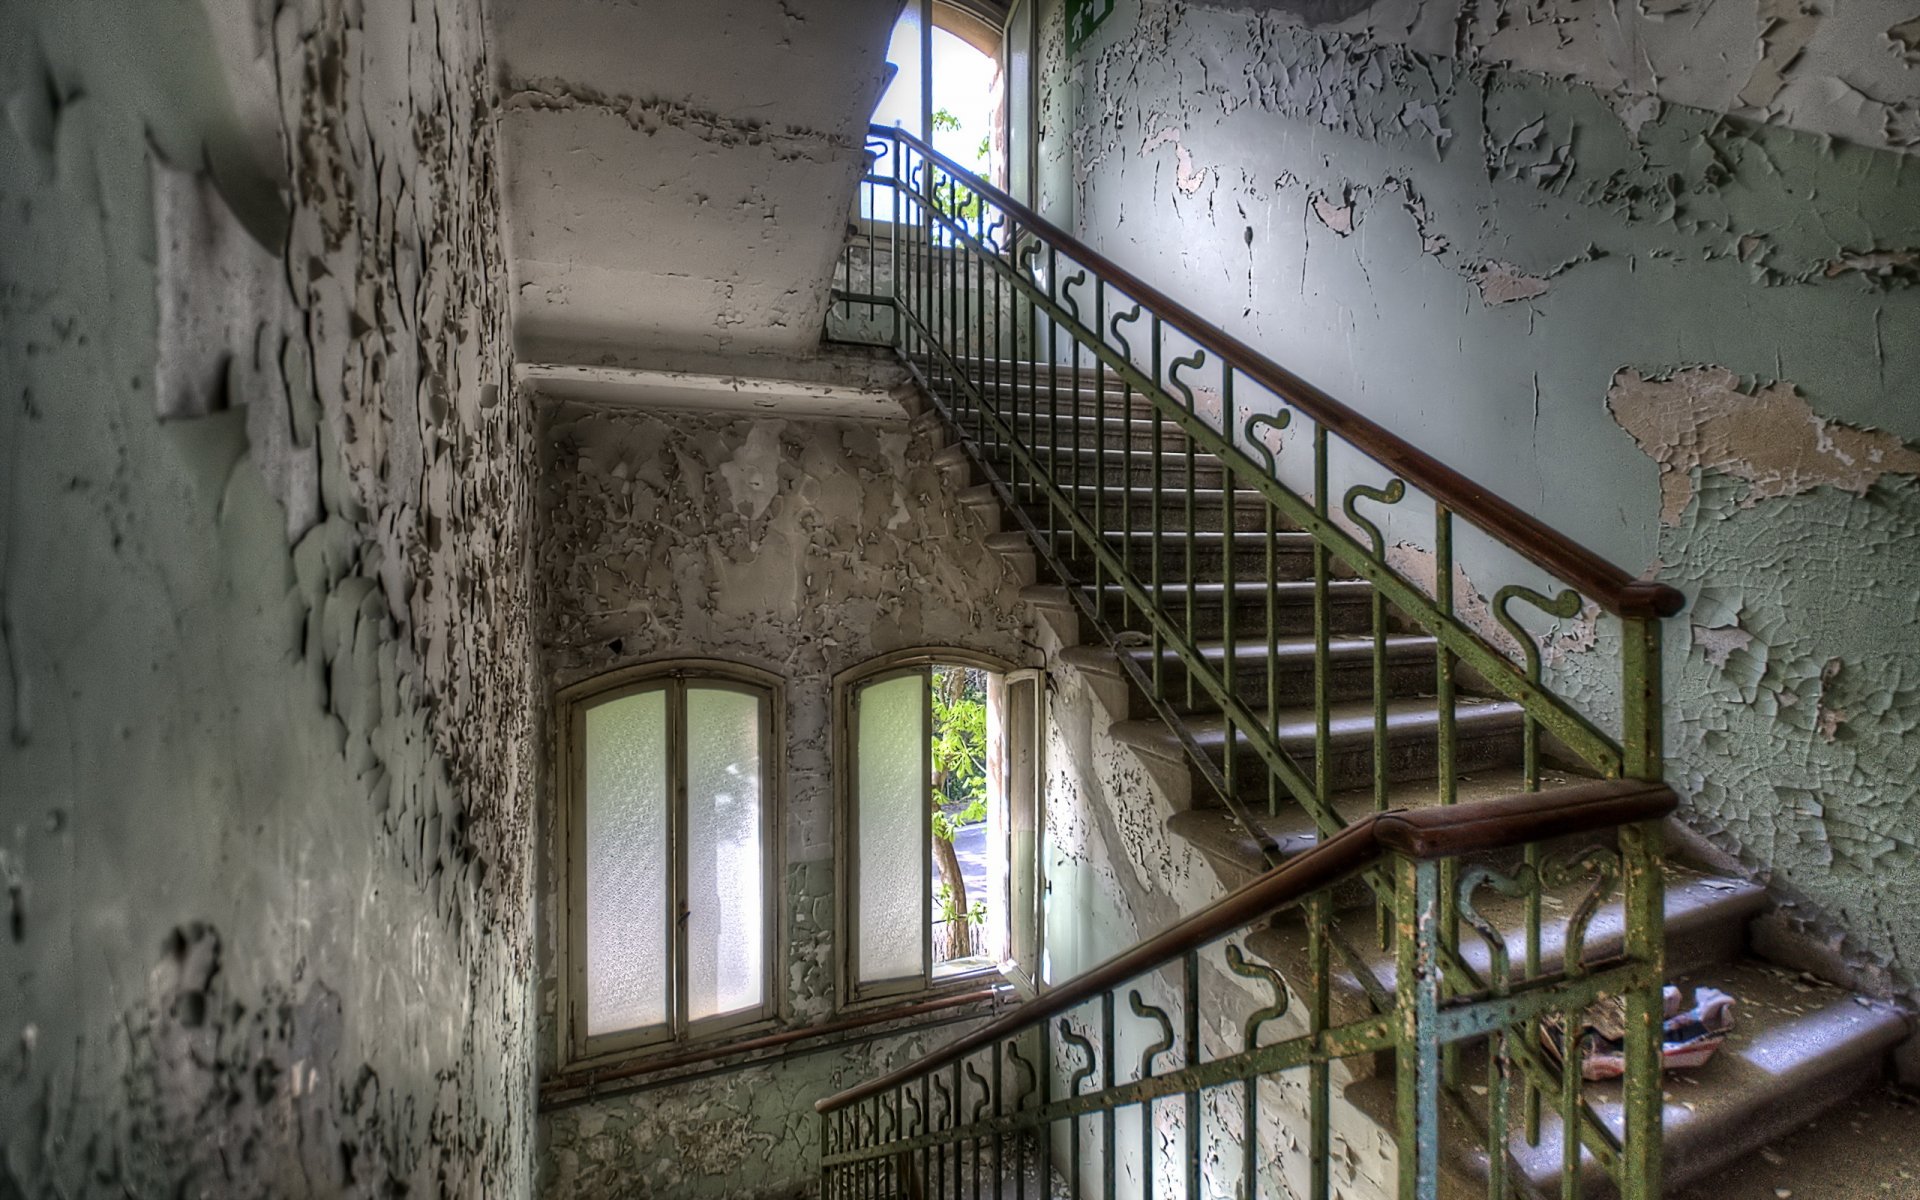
x=1140, y=449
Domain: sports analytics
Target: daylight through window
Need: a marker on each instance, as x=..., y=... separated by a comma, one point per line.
x=941, y=796
x=670, y=828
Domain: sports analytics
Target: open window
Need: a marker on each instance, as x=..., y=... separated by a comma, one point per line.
x=959, y=105
x=940, y=793
x=669, y=828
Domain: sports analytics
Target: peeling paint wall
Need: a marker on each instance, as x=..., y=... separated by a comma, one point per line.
x=265, y=659
x=1649, y=274
x=802, y=547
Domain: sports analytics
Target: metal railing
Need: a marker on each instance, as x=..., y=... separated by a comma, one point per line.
x=1181, y=487
x=1033, y=1103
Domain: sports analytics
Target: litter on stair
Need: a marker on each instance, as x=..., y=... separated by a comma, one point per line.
x=1689, y=1037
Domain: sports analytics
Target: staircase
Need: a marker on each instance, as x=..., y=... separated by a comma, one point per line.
x=1284, y=685
x=1801, y=1045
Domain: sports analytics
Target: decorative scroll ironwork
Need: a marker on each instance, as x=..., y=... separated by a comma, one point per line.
x=1159, y=1045
x=1029, y=1078
x=1241, y=965
x=1083, y=1045
x=986, y=1093
x=1113, y=327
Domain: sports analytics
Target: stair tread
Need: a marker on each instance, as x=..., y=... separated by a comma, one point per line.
x=1292, y=650
x=1867, y=1146
x=1695, y=901
x=1219, y=833
x=1202, y=496
x=1790, y=1037
x=1794, y=1044
x=1293, y=590
x=1348, y=721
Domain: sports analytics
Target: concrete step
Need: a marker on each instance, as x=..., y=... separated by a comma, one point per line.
x=1867, y=1147
x=1236, y=856
x=1707, y=915
x=1487, y=734
x=1209, y=505
x=1410, y=666
x=1115, y=465
x=1349, y=604
x=1292, y=552
x=1798, y=1048
x=1142, y=429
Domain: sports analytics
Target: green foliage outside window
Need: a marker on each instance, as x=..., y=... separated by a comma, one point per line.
x=959, y=795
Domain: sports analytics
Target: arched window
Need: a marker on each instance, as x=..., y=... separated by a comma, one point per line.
x=669, y=824
x=965, y=100
x=939, y=761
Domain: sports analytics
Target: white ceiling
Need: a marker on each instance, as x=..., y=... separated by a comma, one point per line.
x=679, y=173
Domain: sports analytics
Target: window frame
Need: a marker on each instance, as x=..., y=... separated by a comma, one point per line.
x=674, y=676
x=851, y=993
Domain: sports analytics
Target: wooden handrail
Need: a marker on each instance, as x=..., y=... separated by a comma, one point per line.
x=1476, y=827
x=1606, y=584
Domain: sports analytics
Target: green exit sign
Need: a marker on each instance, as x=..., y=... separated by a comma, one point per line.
x=1083, y=17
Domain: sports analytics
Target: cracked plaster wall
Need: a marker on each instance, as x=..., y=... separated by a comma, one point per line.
x=1651, y=277
x=263, y=609
x=802, y=547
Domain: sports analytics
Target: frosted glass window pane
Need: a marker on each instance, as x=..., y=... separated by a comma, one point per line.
x=626, y=851
x=891, y=794
x=726, y=867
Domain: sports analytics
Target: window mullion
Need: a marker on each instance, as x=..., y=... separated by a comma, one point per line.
x=926, y=826
x=677, y=855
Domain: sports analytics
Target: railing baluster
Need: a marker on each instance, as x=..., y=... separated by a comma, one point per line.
x=1448, y=763
x=1191, y=1134
x=1157, y=646
x=1109, y=1055
x=1053, y=414
x=1228, y=597
x=1322, y=622
x=1100, y=450
x=1417, y=1050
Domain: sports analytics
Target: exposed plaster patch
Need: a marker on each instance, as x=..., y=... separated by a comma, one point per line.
x=1883, y=268
x=1720, y=642
x=1786, y=28
x=1504, y=283
x=1905, y=38
x=1337, y=215
x=1187, y=177
x=1703, y=418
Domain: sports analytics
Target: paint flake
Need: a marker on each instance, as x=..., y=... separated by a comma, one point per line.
x=1701, y=418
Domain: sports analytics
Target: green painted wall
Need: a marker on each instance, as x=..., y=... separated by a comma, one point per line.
x=1650, y=275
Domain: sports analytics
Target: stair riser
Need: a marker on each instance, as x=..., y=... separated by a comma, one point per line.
x=1347, y=680
x=1040, y=397
x=1034, y=432
x=1249, y=517
x=1352, y=765
x=1290, y=559
x=1115, y=470
x=1292, y=616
